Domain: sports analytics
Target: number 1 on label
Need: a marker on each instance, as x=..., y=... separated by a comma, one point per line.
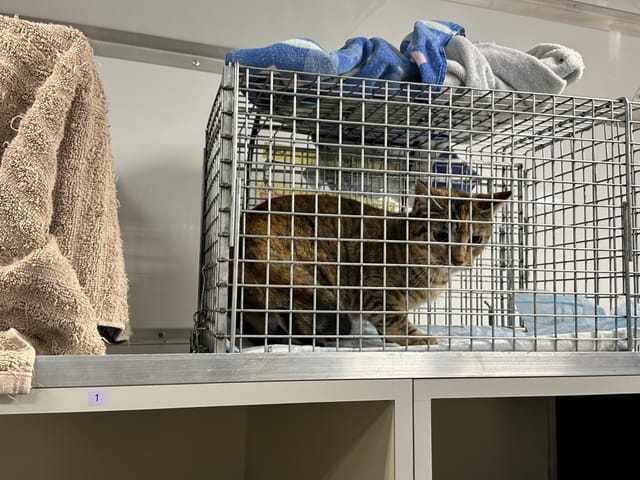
x=96, y=398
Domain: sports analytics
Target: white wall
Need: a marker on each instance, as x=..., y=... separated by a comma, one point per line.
x=158, y=117
x=612, y=64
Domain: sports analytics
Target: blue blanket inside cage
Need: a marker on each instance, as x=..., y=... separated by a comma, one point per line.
x=449, y=170
x=544, y=313
x=550, y=322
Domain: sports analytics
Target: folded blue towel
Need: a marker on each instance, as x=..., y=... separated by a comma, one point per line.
x=421, y=57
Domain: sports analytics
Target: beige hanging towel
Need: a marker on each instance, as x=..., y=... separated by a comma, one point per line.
x=16, y=363
x=62, y=280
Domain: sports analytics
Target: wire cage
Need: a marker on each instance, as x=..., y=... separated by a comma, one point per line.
x=307, y=177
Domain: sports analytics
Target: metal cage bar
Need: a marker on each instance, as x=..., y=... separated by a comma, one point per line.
x=559, y=272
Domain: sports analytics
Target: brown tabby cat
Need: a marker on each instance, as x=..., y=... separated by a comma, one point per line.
x=347, y=260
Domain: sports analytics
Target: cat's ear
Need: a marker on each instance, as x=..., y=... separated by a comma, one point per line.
x=429, y=199
x=499, y=197
x=491, y=203
x=421, y=188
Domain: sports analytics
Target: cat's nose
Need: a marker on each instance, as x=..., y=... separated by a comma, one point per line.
x=459, y=258
x=458, y=261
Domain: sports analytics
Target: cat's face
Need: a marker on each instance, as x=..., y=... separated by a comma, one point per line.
x=454, y=226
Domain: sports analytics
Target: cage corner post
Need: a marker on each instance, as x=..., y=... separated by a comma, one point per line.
x=223, y=325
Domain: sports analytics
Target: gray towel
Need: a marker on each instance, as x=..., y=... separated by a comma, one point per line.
x=546, y=68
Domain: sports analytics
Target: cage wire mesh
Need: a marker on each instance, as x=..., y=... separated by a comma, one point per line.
x=298, y=167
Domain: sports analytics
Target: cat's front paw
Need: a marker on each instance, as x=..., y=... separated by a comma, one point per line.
x=414, y=340
x=419, y=340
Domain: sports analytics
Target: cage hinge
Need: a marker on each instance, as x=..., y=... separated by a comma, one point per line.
x=222, y=284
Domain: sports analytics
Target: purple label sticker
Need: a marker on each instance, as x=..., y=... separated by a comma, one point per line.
x=96, y=398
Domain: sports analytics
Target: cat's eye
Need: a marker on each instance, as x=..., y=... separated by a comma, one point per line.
x=476, y=239
x=441, y=236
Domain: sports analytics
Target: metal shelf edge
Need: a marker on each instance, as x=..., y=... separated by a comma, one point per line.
x=165, y=369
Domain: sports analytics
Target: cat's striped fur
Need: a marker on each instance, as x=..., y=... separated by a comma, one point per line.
x=308, y=273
